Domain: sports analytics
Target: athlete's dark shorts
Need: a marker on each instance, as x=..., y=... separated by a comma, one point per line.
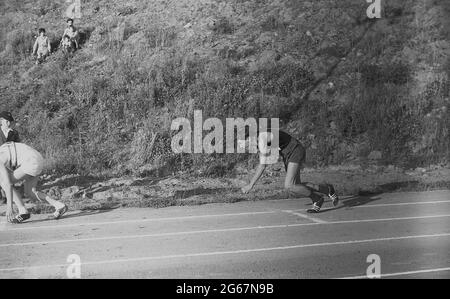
x=294, y=152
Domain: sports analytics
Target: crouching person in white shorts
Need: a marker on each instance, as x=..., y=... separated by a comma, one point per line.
x=21, y=163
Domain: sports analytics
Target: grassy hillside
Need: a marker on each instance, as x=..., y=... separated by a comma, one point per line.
x=354, y=90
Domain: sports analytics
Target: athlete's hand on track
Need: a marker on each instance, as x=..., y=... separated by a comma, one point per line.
x=246, y=189
x=9, y=214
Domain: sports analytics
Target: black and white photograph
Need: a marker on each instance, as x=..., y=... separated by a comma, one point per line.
x=227, y=146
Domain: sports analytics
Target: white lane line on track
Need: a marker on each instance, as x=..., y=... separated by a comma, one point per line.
x=4, y=225
x=216, y=253
x=297, y=213
x=400, y=273
x=400, y=204
x=212, y=231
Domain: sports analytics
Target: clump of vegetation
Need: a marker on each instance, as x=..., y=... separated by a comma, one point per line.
x=397, y=73
x=223, y=26
x=160, y=36
x=272, y=23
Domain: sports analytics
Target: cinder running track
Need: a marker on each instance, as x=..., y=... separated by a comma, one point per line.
x=410, y=232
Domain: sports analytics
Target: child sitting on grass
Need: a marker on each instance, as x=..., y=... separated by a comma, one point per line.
x=68, y=46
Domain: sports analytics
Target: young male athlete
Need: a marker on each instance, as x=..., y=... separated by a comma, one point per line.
x=293, y=154
x=21, y=163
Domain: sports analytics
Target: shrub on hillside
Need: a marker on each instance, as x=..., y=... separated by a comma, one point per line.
x=20, y=43
x=158, y=36
x=373, y=75
x=284, y=80
x=223, y=26
x=126, y=10
x=43, y=7
x=434, y=105
x=390, y=120
x=272, y=23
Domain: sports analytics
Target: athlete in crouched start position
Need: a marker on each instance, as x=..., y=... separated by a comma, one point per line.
x=21, y=163
x=293, y=154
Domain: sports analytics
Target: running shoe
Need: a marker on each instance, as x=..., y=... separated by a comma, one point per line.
x=316, y=206
x=21, y=218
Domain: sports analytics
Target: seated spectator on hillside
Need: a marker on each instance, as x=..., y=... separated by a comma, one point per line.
x=71, y=32
x=68, y=46
x=42, y=47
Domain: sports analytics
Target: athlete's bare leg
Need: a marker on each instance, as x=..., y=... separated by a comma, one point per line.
x=32, y=192
x=16, y=196
x=294, y=184
x=30, y=183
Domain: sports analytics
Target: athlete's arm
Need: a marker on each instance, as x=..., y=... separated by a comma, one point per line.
x=258, y=174
x=7, y=187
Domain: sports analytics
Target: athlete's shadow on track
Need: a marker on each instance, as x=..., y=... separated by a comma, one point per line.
x=349, y=202
x=366, y=196
x=74, y=215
